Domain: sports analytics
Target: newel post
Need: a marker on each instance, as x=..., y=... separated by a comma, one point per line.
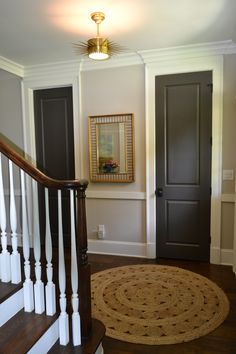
x=84, y=267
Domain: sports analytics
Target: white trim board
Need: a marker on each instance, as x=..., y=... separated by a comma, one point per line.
x=121, y=248
x=127, y=59
x=11, y=306
x=11, y=67
x=73, y=67
x=142, y=250
x=226, y=257
x=228, y=198
x=189, y=51
x=48, y=339
x=206, y=63
x=115, y=195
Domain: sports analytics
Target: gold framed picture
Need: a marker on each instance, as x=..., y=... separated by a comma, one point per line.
x=111, y=148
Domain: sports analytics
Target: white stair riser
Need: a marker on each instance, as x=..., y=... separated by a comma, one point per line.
x=11, y=306
x=48, y=339
x=100, y=350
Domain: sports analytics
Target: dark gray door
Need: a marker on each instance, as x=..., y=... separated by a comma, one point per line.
x=54, y=150
x=183, y=165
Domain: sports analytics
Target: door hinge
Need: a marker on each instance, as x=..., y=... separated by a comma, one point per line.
x=209, y=239
x=211, y=140
x=211, y=87
x=210, y=190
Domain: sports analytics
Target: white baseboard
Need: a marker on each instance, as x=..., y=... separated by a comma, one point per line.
x=215, y=255
x=11, y=306
x=226, y=257
x=221, y=256
x=143, y=250
x=151, y=250
x=119, y=248
x=48, y=339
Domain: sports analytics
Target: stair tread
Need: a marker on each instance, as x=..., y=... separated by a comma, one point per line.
x=88, y=347
x=8, y=289
x=22, y=331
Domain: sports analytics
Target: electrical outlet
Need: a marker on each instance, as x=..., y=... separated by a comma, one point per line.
x=228, y=175
x=101, y=232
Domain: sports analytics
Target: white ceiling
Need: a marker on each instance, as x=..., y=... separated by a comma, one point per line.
x=41, y=31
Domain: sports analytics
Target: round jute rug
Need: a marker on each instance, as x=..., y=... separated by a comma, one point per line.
x=154, y=304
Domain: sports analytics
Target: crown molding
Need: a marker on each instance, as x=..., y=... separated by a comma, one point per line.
x=138, y=57
x=188, y=51
x=231, y=48
x=54, y=70
x=11, y=67
x=73, y=67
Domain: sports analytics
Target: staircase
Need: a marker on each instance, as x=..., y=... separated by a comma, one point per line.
x=45, y=297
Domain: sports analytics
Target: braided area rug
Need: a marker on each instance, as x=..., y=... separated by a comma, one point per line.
x=154, y=304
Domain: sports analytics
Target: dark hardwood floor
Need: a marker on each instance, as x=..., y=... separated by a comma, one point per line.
x=220, y=341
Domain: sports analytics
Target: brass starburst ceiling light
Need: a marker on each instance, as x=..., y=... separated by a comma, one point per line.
x=98, y=48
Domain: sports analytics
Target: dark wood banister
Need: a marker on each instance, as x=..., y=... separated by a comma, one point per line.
x=36, y=174
x=81, y=230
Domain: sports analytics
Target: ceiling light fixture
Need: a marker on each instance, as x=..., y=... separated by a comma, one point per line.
x=98, y=48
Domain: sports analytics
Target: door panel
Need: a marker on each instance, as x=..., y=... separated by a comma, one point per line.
x=182, y=222
x=183, y=165
x=55, y=151
x=182, y=134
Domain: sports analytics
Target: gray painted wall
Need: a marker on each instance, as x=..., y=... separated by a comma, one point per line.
x=11, y=107
x=122, y=90
x=111, y=91
x=229, y=146
x=11, y=126
x=229, y=121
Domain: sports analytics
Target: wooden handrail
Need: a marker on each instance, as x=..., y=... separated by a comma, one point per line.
x=81, y=231
x=36, y=174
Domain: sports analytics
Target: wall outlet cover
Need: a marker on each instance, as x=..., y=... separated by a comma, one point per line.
x=228, y=175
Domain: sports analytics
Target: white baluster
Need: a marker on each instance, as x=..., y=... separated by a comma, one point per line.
x=63, y=318
x=28, y=284
x=38, y=286
x=15, y=256
x=5, y=267
x=50, y=287
x=76, y=329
